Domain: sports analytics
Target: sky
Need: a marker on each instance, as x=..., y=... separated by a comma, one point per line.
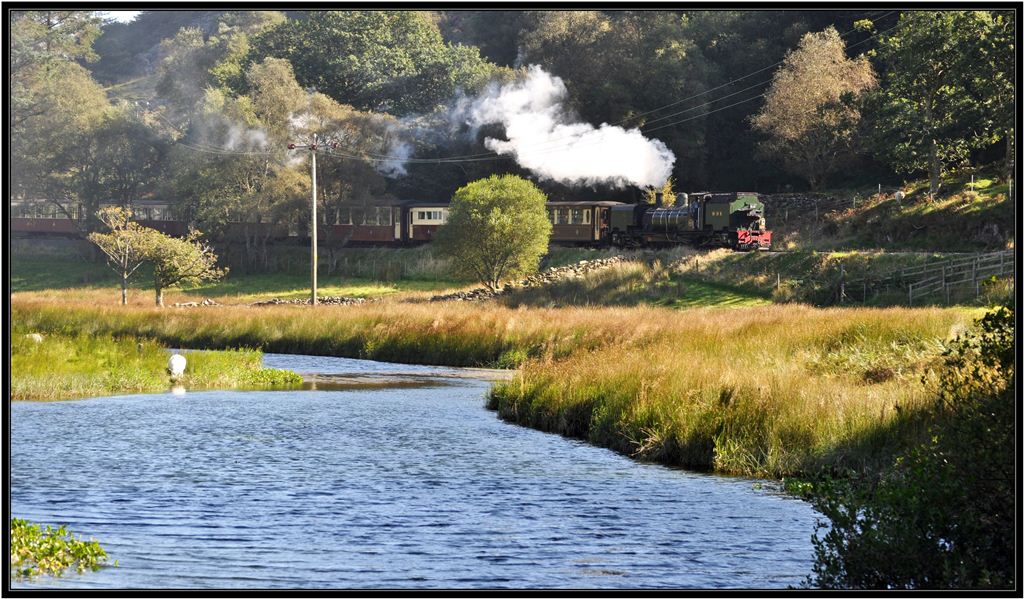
x=122, y=16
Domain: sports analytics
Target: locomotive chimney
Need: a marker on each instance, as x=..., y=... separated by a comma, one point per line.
x=657, y=199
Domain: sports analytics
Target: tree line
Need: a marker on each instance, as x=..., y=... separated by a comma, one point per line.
x=198, y=107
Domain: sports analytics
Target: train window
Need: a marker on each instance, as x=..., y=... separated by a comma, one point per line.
x=357, y=216
x=577, y=216
x=553, y=216
x=586, y=217
x=563, y=215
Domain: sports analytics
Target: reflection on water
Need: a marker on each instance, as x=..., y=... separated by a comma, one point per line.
x=410, y=486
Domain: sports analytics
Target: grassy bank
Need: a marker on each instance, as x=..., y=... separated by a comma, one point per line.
x=641, y=280
x=772, y=390
x=42, y=274
x=813, y=277
x=64, y=366
x=961, y=217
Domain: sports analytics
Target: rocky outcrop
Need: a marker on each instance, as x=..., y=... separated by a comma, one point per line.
x=547, y=277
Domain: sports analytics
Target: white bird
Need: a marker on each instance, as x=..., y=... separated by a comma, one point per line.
x=176, y=365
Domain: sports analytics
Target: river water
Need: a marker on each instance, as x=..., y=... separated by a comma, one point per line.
x=417, y=486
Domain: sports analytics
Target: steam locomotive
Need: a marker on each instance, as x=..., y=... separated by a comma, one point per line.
x=734, y=220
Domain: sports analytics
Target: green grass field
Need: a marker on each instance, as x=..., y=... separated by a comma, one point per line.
x=70, y=366
x=39, y=274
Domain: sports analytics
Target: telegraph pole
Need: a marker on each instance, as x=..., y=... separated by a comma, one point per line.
x=313, y=148
x=312, y=240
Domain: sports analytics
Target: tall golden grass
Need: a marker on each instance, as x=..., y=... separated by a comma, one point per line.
x=774, y=390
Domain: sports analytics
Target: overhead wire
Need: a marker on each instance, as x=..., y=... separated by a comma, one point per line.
x=491, y=156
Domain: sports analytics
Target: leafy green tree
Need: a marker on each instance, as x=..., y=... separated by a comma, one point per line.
x=942, y=517
x=937, y=100
x=811, y=112
x=53, y=100
x=181, y=261
x=390, y=61
x=194, y=61
x=127, y=246
x=114, y=161
x=497, y=227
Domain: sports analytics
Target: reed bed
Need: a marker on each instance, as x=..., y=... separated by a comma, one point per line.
x=771, y=390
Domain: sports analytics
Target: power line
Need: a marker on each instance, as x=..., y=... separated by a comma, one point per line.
x=705, y=92
x=490, y=156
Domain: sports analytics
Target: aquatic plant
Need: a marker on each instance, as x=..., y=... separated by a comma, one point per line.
x=37, y=551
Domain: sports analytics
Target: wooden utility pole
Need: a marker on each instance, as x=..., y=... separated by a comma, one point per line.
x=313, y=147
x=312, y=231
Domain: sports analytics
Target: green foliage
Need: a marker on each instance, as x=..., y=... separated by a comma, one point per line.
x=667, y=191
x=127, y=246
x=497, y=227
x=944, y=89
x=393, y=61
x=942, y=516
x=179, y=261
x=36, y=551
x=53, y=100
x=812, y=109
x=69, y=364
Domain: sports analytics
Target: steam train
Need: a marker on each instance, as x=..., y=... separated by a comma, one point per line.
x=733, y=220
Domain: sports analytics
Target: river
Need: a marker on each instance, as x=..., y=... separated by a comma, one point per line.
x=363, y=485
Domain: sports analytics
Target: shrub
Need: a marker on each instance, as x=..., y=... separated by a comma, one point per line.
x=942, y=516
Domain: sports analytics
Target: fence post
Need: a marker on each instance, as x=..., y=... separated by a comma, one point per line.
x=910, y=294
x=879, y=191
x=842, y=283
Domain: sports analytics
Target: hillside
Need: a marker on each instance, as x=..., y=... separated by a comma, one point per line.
x=960, y=218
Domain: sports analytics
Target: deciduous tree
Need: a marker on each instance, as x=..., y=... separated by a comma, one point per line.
x=178, y=261
x=497, y=227
x=942, y=92
x=812, y=109
x=127, y=246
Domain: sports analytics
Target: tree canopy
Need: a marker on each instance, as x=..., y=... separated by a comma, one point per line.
x=811, y=112
x=943, y=92
x=388, y=61
x=497, y=228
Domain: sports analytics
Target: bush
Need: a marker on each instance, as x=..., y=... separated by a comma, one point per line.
x=942, y=516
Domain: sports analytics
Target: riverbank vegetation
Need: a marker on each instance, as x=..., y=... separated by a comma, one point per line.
x=36, y=551
x=942, y=514
x=773, y=390
x=55, y=365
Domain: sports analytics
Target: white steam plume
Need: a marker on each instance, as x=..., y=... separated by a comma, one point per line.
x=544, y=139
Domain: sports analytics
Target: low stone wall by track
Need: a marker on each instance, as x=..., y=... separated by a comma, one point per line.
x=551, y=275
x=332, y=300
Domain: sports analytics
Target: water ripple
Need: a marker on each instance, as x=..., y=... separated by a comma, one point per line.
x=381, y=488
